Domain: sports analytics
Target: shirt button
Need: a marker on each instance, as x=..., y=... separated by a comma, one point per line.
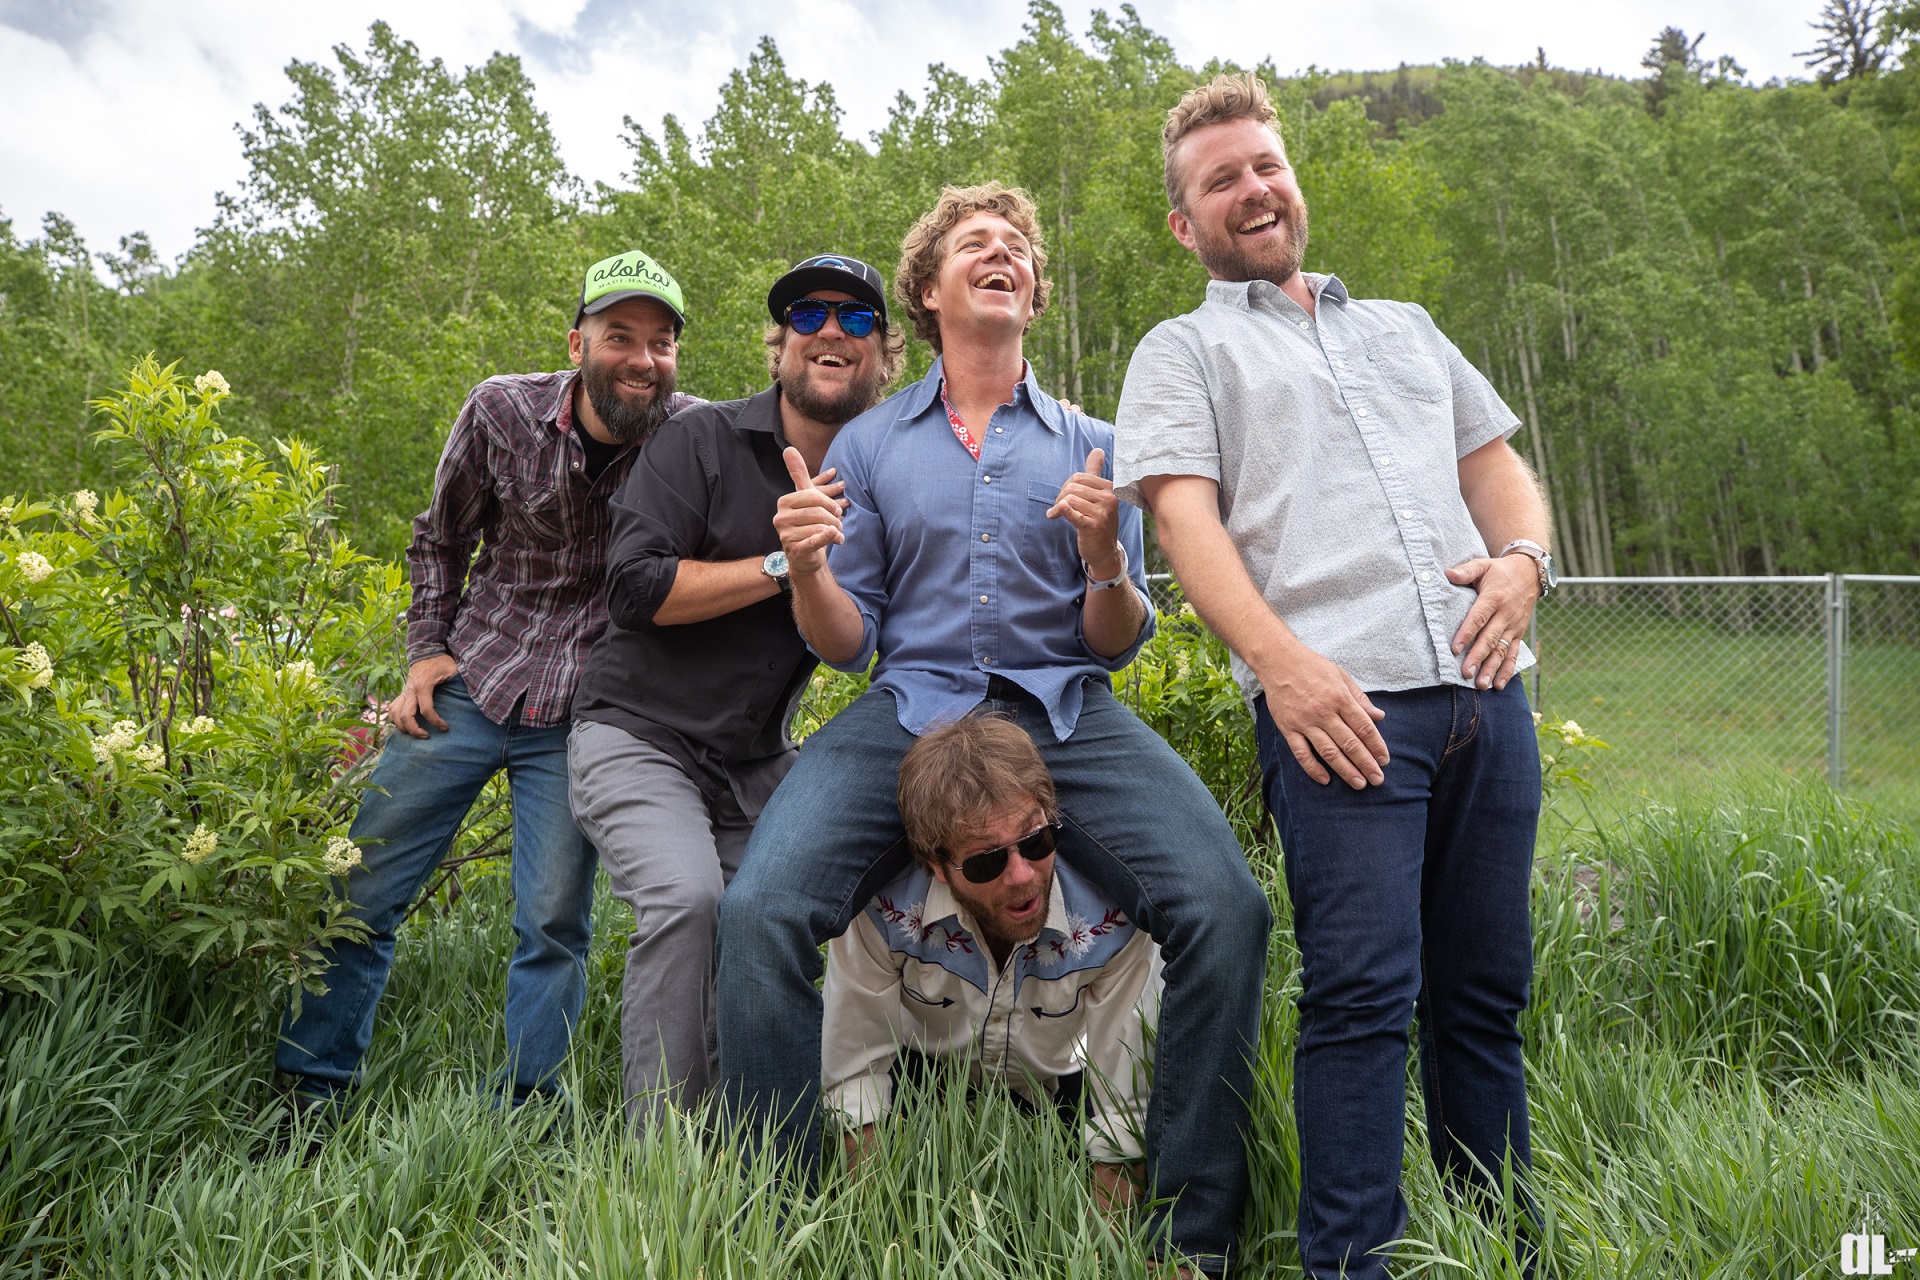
x=986, y=479
x=1386, y=462
x=983, y=599
x=1305, y=325
x=1426, y=576
x=986, y=662
x=986, y=537
x=1359, y=413
x=999, y=431
x=1406, y=515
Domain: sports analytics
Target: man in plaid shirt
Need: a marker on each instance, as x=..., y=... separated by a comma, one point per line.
x=495, y=644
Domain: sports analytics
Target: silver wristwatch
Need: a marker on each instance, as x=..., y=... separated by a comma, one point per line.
x=1110, y=583
x=1542, y=558
x=775, y=567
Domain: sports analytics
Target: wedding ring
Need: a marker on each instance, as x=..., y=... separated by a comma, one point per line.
x=1501, y=644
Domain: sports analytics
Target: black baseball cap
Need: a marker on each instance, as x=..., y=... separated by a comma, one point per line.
x=834, y=271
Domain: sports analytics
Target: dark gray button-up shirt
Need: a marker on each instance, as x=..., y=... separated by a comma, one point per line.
x=1335, y=440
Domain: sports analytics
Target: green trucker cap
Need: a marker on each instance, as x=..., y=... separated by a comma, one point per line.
x=629, y=275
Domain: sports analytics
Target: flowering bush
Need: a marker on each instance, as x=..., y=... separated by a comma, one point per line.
x=186, y=660
x=1566, y=755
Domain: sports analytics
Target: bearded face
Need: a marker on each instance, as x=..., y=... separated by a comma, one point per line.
x=828, y=376
x=1262, y=239
x=630, y=402
x=1242, y=212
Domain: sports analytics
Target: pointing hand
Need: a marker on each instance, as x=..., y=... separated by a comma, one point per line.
x=808, y=519
x=1088, y=503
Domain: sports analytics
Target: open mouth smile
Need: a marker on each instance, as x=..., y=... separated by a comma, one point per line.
x=998, y=281
x=830, y=360
x=1258, y=222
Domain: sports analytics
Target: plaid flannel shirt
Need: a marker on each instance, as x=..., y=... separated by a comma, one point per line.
x=520, y=617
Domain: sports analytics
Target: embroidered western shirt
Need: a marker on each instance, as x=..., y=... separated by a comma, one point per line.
x=911, y=972
x=520, y=616
x=1335, y=438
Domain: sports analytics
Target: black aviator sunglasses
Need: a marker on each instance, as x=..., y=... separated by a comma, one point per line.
x=985, y=867
x=809, y=315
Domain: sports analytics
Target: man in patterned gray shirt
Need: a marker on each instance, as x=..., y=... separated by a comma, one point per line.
x=1327, y=476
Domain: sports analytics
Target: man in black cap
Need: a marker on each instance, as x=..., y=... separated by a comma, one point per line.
x=680, y=725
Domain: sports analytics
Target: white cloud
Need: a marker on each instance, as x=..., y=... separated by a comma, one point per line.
x=121, y=113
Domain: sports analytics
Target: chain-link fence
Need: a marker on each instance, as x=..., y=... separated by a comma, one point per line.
x=1808, y=675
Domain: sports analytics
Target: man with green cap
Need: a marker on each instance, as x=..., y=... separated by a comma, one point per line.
x=495, y=646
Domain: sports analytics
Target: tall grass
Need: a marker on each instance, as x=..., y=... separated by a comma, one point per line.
x=1721, y=1052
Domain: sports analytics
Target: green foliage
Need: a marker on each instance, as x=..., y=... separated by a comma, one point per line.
x=189, y=661
x=1699, y=295
x=135, y=1118
x=1778, y=931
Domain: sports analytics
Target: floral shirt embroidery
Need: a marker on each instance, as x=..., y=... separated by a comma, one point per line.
x=911, y=972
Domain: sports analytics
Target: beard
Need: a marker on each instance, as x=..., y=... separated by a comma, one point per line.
x=1227, y=257
x=834, y=407
x=990, y=921
x=624, y=420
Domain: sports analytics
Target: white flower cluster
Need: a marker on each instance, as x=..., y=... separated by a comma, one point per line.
x=115, y=740
x=201, y=843
x=197, y=727
x=85, y=503
x=1571, y=733
x=211, y=383
x=342, y=856
x=299, y=671
x=150, y=756
x=39, y=667
x=34, y=567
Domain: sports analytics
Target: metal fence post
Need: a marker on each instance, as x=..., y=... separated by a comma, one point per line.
x=1836, y=680
x=1533, y=643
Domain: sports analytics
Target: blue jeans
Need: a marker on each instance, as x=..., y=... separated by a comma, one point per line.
x=428, y=785
x=1136, y=821
x=1409, y=898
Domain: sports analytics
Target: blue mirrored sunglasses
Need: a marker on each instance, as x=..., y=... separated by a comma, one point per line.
x=809, y=315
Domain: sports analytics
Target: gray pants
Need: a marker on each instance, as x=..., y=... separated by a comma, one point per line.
x=670, y=854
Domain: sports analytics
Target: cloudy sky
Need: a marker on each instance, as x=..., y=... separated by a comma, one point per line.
x=121, y=113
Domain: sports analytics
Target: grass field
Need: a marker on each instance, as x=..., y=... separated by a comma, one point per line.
x=1722, y=1050
x=1693, y=702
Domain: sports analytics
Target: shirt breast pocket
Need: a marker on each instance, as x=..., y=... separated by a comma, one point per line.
x=1404, y=367
x=536, y=509
x=1039, y=536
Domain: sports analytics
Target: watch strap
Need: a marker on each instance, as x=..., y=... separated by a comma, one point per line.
x=1109, y=584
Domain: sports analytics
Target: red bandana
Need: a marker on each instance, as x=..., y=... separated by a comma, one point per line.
x=959, y=427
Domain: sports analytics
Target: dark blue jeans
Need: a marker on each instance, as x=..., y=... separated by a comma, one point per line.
x=1409, y=900
x=1136, y=821
x=428, y=785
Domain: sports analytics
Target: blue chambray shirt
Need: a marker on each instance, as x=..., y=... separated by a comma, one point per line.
x=954, y=566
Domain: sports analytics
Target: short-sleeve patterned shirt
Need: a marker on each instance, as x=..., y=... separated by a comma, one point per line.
x=1335, y=438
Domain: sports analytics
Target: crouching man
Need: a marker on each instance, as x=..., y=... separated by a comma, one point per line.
x=986, y=951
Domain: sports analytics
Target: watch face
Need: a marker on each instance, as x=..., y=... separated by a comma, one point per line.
x=1551, y=574
x=775, y=565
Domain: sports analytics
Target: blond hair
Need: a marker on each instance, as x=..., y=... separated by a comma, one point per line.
x=925, y=249
x=1240, y=96
x=953, y=777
